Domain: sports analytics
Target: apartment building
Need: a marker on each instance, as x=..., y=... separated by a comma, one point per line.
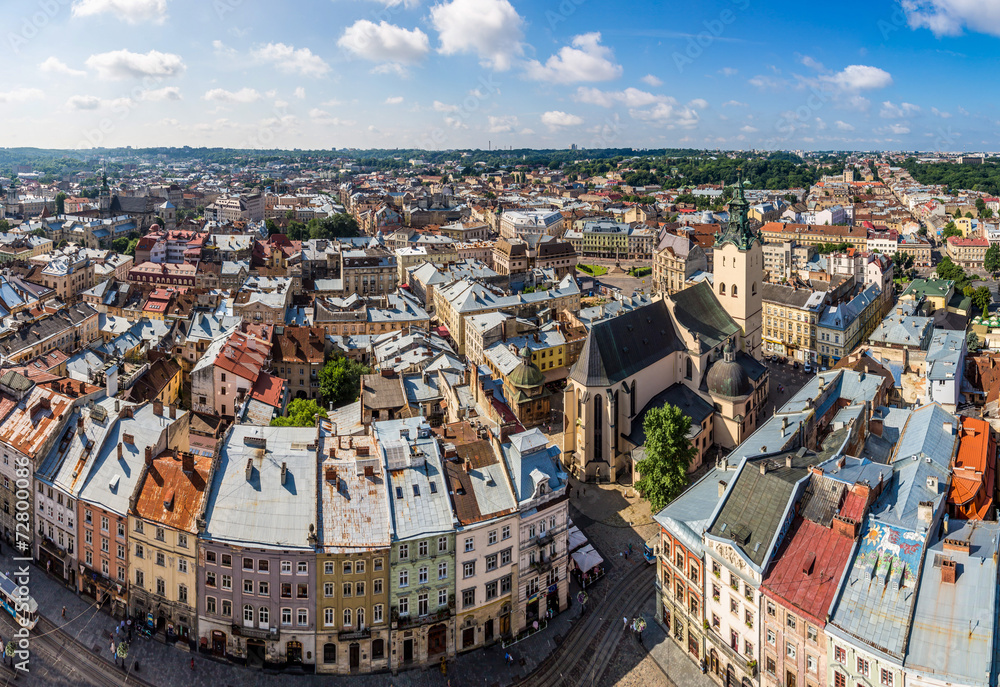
x=790, y=318
x=675, y=260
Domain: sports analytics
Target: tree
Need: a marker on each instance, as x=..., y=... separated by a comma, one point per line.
x=950, y=230
x=669, y=452
x=991, y=262
x=301, y=412
x=61, y=203
x=120, y=245
x=982, y=297
x=972, y=342
x=272, y=227
x=340, y=380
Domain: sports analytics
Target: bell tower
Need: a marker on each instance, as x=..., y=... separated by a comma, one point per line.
x=739, y=271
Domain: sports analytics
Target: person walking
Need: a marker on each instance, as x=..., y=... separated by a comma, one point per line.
x=192, y=663
x=624, y=623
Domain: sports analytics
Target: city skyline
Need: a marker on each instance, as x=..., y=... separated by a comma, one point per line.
x=479, y=73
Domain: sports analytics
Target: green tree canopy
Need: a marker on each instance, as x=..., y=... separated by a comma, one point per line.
x=61, y=203
x=972, y=342
x=301, y=412
x=669, y=452
x=340, y=380
x=992, y=260
x=950, y=230
x=982, y=297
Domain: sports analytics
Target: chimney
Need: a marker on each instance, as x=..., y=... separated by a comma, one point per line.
x=117, y=405
x=187, y=462
x=959, y=545
x=925, y=511
x=948, y=427
x=79, y=422
x=949, y=573
x=249, y=469
x=763, y=468
x=331, y=474
x=157, y=407
x=149, y=455
x=128, y=439
x=284, y=472
x=932, y=483
x=173, y=412
x=722, y=488
x=788, y=461
x=119, y=450
x=875, y=426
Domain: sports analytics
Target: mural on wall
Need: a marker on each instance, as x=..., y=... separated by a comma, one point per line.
x=892, y=551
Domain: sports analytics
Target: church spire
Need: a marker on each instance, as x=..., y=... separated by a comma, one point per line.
x=739, y=231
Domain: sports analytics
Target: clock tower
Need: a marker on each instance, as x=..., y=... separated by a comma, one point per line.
x=739, y=271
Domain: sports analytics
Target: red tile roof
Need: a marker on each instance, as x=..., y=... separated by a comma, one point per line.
x=268, y=389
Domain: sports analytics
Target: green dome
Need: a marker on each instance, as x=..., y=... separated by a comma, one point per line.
x=526, y=375
x=728, y=378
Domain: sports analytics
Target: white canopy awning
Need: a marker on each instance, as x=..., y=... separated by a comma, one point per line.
x=587, y=557
x=576, y=538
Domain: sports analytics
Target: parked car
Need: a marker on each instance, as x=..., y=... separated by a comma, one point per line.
x=807, y=368
x=795, y=364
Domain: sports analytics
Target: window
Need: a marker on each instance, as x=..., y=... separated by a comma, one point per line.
x=227, y=582
x=505, y=557
x=210, y=557
x=160, y=560
x=248, y=614
x=734, y=606
x=770, y=637
x=302, y=591
x=491, y=590
x=347, y=617
x=359, y=589
x=748, y=618
x=359, y=567
x=138, y=526
x=139, y=553
x=377, y=613
x=470, y=544
x=863, y=666
x=492, y=537
x=839, y=680
x=491, y=562
x=328, y=590
x=263, y=588
x=303, y=617
x=505, y=584
x=263, y=565
x=748, y=592
x=160, y=534
x=422, y=575
x=790, y=650
x=360, y=616
x=377, y=586
x=182, y=541
x=104, y=523
x=248, y=586
x=302, y=568
x=505, y=532
x=286, y=567
x=328, y=618
x=286, y=616
x=422, y=604
x=404, y=578
x=286, y=590
x=443, y=570
x=770, y=666
x=811, y=633
x=790, y=621
x=210, y=579
x=747, y=647
x=139, y=578
x=840, y=654
x=404, y=605
x=227, y=608
x=227, y=560
x=182, y=565
x=378, y=564
x=248, y=564
x=263, y=616
x=404, y=552
x=329, y=649
x=210, y=604
x=468, y=598
x=810, y=663
x=347, y=567
x=468, y=569
x=886, y=677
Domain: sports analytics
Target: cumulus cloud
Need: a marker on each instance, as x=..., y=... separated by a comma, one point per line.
x=951, y=17
x=300, y=93
x=122, y=64
x=90, y=102
x=491, y=29
x=394, y=100
x=859, y=77
x=21, y=95
x=660, y=109
x=586, y=60
x=651, y=80
x=162, y=94
x=325, y=118
x=748, y=129
x=557, y=119
x=938, y=113
x=132, y=11
x=291, y=60
x=733, y=103
x=892, y=111
x=897, y=129
x=444, y=107
x=843, y=126
x=385, y=43
x=54, y=65
x=502, y=124
x=242, y=96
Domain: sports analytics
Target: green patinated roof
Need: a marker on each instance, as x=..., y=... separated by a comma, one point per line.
x=526, y=376
x=935, y=288
x=739, y=230
x=698, y=310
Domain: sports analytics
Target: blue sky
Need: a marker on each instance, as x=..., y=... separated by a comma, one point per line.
x=913, y=74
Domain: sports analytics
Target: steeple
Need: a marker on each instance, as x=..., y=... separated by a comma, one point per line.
x=739, y=231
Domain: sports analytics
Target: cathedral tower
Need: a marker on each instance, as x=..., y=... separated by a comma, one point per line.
x=739, y=271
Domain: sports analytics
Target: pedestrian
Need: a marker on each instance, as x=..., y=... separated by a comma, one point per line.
x=64, y=612
x=624, y=623
x=192, y=663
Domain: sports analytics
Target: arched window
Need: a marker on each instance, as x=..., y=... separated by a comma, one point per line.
x=734, y=290
x=361, y=618
x=263, y=615
x=723, y=261
x=690, y=368
x=248, y=614
x=722, y=289
x=598, y=427
x=753, y=289
x=347, y=617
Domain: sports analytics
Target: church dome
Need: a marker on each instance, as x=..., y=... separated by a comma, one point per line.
x=526, y=375
x=727, y=377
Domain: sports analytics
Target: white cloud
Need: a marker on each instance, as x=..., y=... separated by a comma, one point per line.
x=90, y=102
x=323, y=117
x=669, y=113
x=122, y=64
x=897, y=129
x=587, y=60
x=557, y=119
x=503, y=124
x=300, y=93
x=280, y=104
x=242, y=96
x=223, y=50
x=492, y=29
x=843, y=126
x=21, y=95
x=54, y=65
x=444, y=107
x=699, y=103
x=330, y=103
x=455, y=123
x=385, y=43
x=292, y=60
x=892, y=111
x=949, y=17
x=859, y=77
x=132, y=11
x=765, y=83
x=630, y=97
x=728, y=71
x=394, y=100
x=748, y=129
x=938, y=113
x=651, y=80
x=962, y=111
x=733, y=103
x=662, y=109
x=811, y=63
x=162, y=94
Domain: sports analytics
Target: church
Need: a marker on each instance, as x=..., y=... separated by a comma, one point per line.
x=698, y=349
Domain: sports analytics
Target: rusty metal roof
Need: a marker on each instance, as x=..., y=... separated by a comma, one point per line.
x=354, y=512
x=31, y=423
x=169, y=495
